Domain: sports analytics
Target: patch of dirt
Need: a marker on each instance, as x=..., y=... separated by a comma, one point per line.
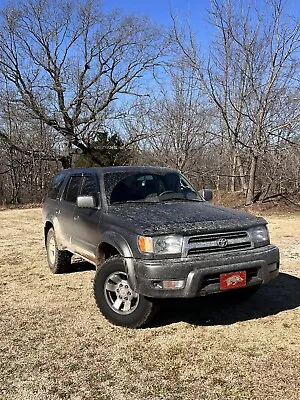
x=54, y=344
x=285, y=203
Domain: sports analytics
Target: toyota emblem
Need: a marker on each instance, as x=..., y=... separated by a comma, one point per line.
x=222, y=242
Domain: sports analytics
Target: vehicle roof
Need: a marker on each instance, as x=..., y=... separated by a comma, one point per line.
x=127, y=168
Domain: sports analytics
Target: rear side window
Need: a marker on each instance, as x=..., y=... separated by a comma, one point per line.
x=57, y=182
x=72, y=189
x=90, y=187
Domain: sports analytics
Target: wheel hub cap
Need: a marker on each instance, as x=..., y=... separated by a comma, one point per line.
x=119, y=295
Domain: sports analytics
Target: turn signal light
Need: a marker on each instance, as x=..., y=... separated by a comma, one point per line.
x=145, y=244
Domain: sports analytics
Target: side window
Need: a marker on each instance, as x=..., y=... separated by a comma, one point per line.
x=90, y=187
x=72, y=189
x=56, y=184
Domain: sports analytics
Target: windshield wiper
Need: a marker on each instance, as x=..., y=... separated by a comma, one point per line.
x=135, y=201
x=178, y=199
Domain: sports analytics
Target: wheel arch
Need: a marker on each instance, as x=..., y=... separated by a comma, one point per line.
x=114, y=244
x=47, y=227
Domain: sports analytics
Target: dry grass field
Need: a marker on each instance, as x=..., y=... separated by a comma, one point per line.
x=54, y=344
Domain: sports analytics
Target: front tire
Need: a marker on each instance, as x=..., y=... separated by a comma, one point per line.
x=115, y=298
x=59, y=261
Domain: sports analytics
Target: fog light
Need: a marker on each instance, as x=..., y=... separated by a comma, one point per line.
x=173, y=284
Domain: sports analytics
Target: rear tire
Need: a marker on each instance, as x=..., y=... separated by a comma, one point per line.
x=115, y=298
x=59, y=261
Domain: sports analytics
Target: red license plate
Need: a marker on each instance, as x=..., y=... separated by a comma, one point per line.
x=233, y=280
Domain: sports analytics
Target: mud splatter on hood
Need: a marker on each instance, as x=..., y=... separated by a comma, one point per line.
x=185, y=218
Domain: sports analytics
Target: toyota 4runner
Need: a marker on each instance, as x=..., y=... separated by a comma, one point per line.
x=150, y=236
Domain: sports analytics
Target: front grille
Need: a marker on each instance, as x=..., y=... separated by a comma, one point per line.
x=210, y=279
x=216, y=243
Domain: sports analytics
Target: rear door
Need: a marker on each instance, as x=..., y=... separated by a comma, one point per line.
x=65, y=209
x=50, y=208
x=86, y=233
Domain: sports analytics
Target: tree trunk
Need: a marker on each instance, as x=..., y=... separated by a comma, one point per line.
x=251, y=183
x=233, y=172
x=241, y=173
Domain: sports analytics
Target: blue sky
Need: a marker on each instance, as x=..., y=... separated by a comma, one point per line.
x=194, y=11
x=159, y=10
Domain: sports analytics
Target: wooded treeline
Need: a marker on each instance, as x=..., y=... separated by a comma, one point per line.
x=83, y=87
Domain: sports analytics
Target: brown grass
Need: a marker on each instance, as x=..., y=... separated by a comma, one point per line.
x=54, y=344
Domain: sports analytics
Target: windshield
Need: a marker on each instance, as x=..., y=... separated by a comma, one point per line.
x=122, y=187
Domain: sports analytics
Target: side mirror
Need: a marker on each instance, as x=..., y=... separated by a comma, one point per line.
x=207, y=194
x=86, y=202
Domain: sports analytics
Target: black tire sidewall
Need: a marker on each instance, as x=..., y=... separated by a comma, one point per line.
x=139, y=317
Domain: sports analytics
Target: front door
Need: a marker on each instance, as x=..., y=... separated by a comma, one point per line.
x=86, y=233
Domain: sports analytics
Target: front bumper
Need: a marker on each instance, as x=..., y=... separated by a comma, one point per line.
x=201, y=275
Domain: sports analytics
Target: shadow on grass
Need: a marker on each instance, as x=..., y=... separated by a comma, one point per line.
x=280, y=295
x=80, y=266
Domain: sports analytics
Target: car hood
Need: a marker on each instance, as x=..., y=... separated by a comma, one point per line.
x=185, y=218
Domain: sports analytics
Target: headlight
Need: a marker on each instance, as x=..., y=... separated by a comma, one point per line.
x=260, y=236
x=160, y=244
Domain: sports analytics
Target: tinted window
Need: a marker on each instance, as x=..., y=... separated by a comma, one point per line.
x=90, y=187
x=57, y=182
x=72, y=189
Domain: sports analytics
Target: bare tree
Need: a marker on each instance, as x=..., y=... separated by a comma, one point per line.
x=70, y=63
x=174, y=122
x=29, y=154
x=251, y=75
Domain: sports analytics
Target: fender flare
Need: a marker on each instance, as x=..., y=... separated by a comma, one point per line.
x=61, y=243
x=121, y=245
